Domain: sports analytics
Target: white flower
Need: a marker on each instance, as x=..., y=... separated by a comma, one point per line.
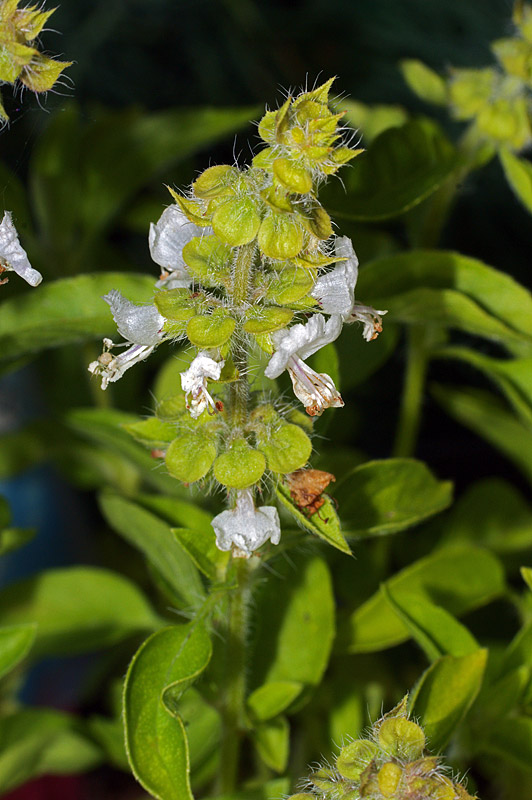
x=141, y=326
x=111, y=368
x=246, y=528
x=13, y=257
x=371, y=319
x=166, y=240
x=315, y=390
x=136, y=323
x=194, y=383
x=335, y=292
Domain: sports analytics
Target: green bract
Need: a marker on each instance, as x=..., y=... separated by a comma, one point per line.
x=280, y=236
x=241, y=466
x=190, y=456
x=211, y=331
x=265, y=319
x=208, y=260
x=287, y=448
x=236, y=221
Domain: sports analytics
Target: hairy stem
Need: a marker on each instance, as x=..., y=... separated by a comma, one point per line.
x=239, y=389
x=234, y=682
x=413, y=391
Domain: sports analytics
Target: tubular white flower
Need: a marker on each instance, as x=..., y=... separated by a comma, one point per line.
x=111, y=367
x=315, y=390
x=138, y=324
x=335, y=292
x=246, y=528
x=13, y=257
x=166, y=240
x=194, y=383
x=141, y=326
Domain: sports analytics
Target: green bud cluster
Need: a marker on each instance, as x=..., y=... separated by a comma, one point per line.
x=20, y=59
x=498, y=98
x=390, y=764
x=252, y=271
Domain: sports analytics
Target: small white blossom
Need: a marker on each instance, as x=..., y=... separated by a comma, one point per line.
x=246, y=528
x=13, y=257
x=371, y=319
x=335, y=292
x=194, y=383
x=136, y=323
x=111, y=367
x=166, y=240
x=315, y=390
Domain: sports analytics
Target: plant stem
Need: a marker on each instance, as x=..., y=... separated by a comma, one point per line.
x=412, y=398
x=239, y=389
x=234, y=672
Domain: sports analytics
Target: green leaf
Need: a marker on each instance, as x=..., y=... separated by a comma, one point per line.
x=155, y=540
x=201, y=547
x=190, y=456
x=177, y=511
x=15, y=643
x=491, y=512
x=458, y=578
x=518, y=172
x=40, y=741
x=294, y=623
x=448, y=308
x=512, y=376
x=76, y=609
x=424, y=82
x=105, y=426
x=511, y=738
x=526, y=574
x=444, y=694
x=152, y=432
x=494, y=292
x=489, y=417
x=272, y=742
x=272, y=699
x=323, y=523
x=382, y=497
x=156, y=742
x=134, y=146
x=436, y=631
x=63, y=311
x=401, y=168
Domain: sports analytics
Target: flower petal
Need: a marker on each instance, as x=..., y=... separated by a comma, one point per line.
x=302, y=341
x=13, y=257
x=246, y=528
x=335, y=290
x=166, y=240
x=138, y=324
